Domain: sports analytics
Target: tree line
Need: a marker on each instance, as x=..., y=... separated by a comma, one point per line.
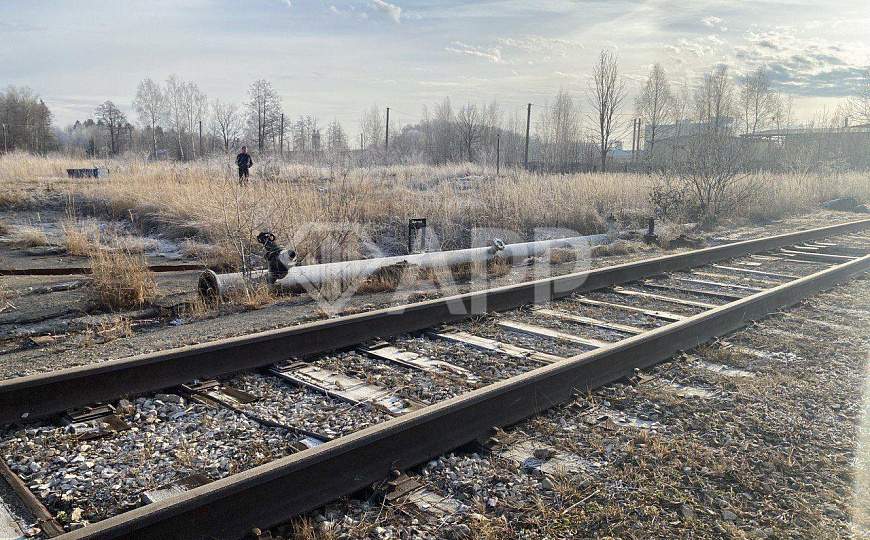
x=175, y=119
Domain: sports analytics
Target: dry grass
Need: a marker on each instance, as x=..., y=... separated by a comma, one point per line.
x=120, y=279
x=79, y=240
x=613, y=249
x=25, y=236
x=203, y=203
x=256, y=296
x=4, y=228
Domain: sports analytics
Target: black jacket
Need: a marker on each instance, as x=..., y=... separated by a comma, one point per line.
x=244, y=160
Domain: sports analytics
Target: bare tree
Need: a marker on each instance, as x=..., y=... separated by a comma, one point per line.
x=150, y=104
x=443, y=129
x=492, y=121
x=195, y=109
x=226, y=121
x=26, y=121
x=559, y=128
x=655, y=105
x=264, y=112
x=176, y=107
x=469, y=126
x=113, y=120
x=606, y=95
x=373, y=128
x=859, y=104
x=758, y=102
x=336, y=138
x=714, y=100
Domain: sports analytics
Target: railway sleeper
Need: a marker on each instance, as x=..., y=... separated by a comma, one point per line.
x=728, y=297
x=537, y=458
x=384, y=351
x=492, y=345
x=414, y=499
x=345, y=387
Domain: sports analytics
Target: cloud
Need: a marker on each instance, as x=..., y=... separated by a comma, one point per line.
x=386, y=10
x=374, y=10
x=803, y=66
x=710, y=21
x=541, y=45
x=349, y=13
x=491, y=54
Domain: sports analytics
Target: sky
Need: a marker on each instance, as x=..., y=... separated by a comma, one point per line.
x=336, y=58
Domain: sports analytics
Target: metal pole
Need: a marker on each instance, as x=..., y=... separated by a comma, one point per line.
x=528, y=127
x=387, y=143
x=497, y=153
x=281, y=136
x=638, y=136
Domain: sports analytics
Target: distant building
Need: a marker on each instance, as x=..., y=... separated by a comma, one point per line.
x=685, y=128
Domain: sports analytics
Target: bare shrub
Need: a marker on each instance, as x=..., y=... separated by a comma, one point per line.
x=120, y=279
x=4, y=228
x=713, y=178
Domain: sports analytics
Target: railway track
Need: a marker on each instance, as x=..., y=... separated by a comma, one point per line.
x=341, y=404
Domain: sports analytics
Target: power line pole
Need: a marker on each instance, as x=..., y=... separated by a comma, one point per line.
x=281, y=136
x=387, y=139
x=638, y=138
x=201, y=149
x=497, y=154
x=528, y=127
x=633, y=135
x=5, y=141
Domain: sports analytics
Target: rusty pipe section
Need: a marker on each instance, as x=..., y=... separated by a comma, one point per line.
x=309, y=277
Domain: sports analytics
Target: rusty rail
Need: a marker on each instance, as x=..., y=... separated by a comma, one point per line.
x=272, y=493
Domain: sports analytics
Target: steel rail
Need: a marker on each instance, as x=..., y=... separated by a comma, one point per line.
x=35, y=396
x=84, y=270
x=272, y=493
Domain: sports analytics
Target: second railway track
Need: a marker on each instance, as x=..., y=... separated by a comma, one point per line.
x=405, y=386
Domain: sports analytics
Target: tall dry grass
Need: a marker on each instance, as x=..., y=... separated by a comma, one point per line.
x=120, y=278
x=202, y=202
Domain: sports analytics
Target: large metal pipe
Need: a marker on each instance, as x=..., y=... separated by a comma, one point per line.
x=300, y=278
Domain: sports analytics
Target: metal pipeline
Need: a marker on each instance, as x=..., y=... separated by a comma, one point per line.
x=299, y=278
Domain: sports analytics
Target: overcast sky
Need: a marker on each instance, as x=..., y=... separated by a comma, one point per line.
x=333, y=60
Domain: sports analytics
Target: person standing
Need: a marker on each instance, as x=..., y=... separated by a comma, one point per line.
x=244, y=162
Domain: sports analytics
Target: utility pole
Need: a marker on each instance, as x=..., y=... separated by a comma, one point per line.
x=201, y=149
x=387, y=139
x=633, y=136
x=639, y=122
x=497, y=154
x=528, y=127
x=281, y=137
x=5, y=141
